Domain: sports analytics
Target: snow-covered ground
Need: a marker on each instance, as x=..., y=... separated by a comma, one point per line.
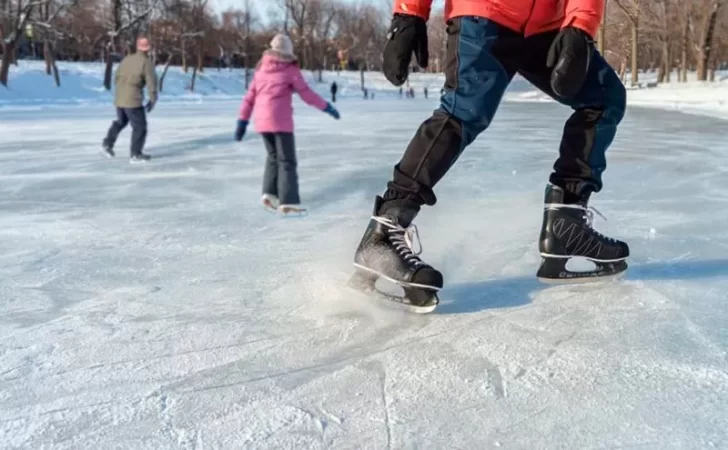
x=158, y=306
x=81, y=83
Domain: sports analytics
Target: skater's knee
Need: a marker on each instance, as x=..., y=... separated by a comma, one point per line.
x=608, y=96
x=617, y=102
x=287, y=163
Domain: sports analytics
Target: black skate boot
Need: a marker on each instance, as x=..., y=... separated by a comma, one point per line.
x=108, y=149
x=567, y=233
x=386, y=251
x=139, y=158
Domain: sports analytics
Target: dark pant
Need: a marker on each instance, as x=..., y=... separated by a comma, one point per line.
x=138, y=119
x=482, y=58
x=333, y=97
x=281, y=176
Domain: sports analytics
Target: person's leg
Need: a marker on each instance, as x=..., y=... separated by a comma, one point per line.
x=116, y=126
x=482, y=58
x=138, y=119
x=287, y=169
x=566, y=230
x=598, y=108
x=270, y=174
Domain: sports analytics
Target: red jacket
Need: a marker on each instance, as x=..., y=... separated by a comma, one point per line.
x=527, y=16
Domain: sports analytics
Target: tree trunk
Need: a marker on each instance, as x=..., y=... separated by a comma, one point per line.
x=47, y=56
x=362, y=78
x=713, y=66
x=707, y=41
x=200, y=58
x=664, y=72
x=8, y=47
x=635, y=52
x=184, y=56
x=668, y=61
x=164, y=71
x=623, y=69
x=684, y=52
x=50, y=62
x=56, y=74
x=108, y=69
x=194, y=77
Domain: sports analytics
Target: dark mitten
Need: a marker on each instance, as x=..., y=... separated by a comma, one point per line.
x=407, y=34
x=150, y=106
x=240, y=129
x=569, y=57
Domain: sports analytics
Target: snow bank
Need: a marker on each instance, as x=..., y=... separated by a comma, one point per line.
x=694, y=97
x=82, y=83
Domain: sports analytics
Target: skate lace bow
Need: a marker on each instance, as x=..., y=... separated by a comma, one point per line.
x=405, y=240
x=589, y=216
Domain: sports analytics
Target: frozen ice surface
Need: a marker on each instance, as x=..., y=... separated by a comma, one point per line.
x=159, y=306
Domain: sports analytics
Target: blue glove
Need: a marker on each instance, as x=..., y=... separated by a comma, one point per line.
x=330, y=110
x=240, y=130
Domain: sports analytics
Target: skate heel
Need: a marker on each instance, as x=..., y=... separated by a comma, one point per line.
x=363, y=281
x=554, y=271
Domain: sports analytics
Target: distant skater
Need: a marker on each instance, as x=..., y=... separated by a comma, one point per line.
x=135, y=72
x=334, y=90
x=269, y=101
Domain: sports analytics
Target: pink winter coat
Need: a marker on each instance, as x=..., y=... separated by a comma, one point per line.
x=270, y=94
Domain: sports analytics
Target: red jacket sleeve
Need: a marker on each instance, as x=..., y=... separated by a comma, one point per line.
x=584, y=14
x=419, y=8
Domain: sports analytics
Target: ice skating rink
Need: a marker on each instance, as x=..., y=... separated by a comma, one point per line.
x=159, y=307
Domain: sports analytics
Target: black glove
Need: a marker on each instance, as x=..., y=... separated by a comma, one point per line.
x=150, y=106
x=569, y=57
x=240, y=129
x=406, y=34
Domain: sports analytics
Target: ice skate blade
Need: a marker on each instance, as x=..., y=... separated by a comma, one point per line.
x=364, y=283
x=399, y=282
x=554, y=271
x=394, y=302
x=583, y=279
x=293, y=215
x=108, y=155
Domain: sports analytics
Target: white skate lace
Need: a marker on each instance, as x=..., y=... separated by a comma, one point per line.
x=404, y=240
x=588, y=217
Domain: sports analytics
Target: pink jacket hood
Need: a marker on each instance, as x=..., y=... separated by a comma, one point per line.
x=270, y=95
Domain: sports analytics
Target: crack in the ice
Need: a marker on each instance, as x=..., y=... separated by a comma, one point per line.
x=495, y=378
x=385, y=400
x=337, y=362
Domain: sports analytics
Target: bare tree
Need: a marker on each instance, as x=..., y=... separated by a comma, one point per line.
x=631, y=10
x=14, y=20
x=123, y=18
x=706, y=39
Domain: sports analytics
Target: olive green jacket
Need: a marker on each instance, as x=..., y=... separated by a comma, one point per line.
x=134, y=73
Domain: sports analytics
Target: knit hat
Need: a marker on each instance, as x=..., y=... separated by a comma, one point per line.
x=143, y=45
x=282, y=45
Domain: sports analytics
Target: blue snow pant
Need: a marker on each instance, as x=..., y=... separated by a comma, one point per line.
x=138, y=119
x=482, y=59
x=280, y=177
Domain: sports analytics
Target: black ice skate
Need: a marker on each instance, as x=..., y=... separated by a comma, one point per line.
x=139, y=159
x=386, y=252
x=108, y=149
x=567, y=233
